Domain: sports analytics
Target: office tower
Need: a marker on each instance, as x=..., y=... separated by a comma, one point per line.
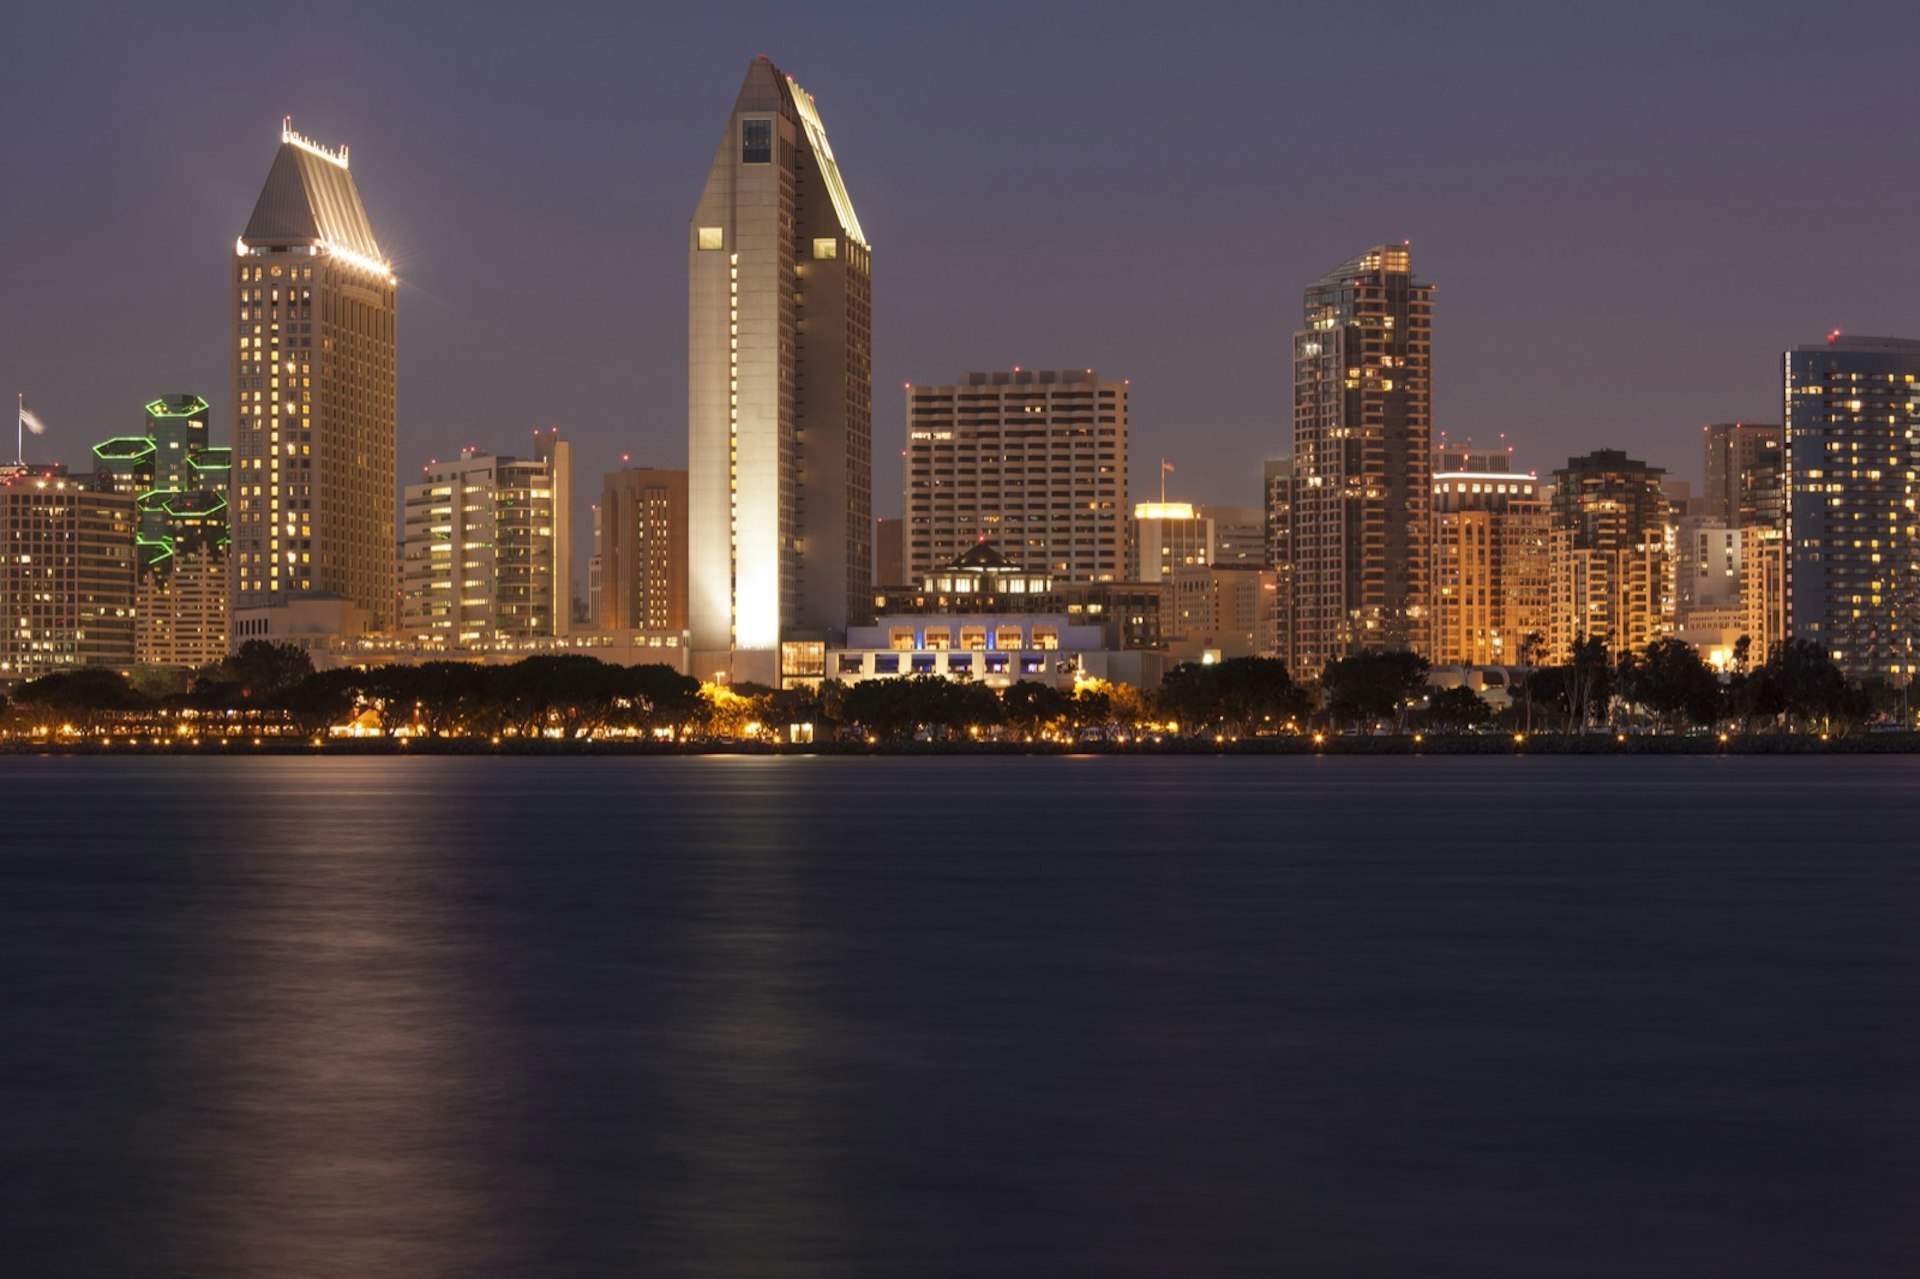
x=179, y=483
x=488, y=554
x=67, y=580
x=1033, y=460
x=595, y=570
x=890, y=552
x=780, y=388
x=1853, y=477
x=1608, y=554
x=314, y=476
x=1763, y=588
x=1167, y=536
x=643, y=551
x=1362, y=438
x=1490, y=563
x=1742, y=464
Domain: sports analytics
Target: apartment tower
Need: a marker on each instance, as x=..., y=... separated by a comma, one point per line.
x=489, y=551
x=780, y=389
x=1362, y=441
x=314, y=476
x=1490, y=563
x=1034, y=461
x=1853, y=479
x=1610, y=570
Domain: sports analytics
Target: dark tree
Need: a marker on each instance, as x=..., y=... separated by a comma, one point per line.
x=1030, y=706
x=1454, y=710
x=1367, y=687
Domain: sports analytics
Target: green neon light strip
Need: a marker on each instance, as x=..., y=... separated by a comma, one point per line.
x=134, y=448
x=160, y=408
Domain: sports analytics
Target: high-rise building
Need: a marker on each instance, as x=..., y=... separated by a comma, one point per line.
x=1362, y=439
x=314, y=479
x=889, y=552
x=780, y=388
x=1167, y=536
x=1763, y=588
x=179, y=483
x=1033, y=460
x=1706, y=567
x=488, y=554
x=1609, y=565
x=1490, y=563
x=67, y=579
x=1853, y=478
x=1239, y=534
x=643, y=551
x=1280, y=474
x=1212, y=613
x=1743, y=468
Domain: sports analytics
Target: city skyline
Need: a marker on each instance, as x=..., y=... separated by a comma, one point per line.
x=1023, y=261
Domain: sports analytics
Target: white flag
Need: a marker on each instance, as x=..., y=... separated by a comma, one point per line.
x=32, y=423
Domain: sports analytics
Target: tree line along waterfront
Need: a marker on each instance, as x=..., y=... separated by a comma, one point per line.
x=1658, y=698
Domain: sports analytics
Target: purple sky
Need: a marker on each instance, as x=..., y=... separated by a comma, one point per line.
x=1629, y=210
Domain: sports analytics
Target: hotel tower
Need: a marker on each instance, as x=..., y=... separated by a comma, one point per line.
x=779, y=390
x=314, y=476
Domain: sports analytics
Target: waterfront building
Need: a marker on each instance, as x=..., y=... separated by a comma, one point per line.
x=314, y=473
x=1853, y=481
x=997, y=649
x=489, y=549
x=1490, y=570
x=780, y=388
x=643, y=530
x=1763, y=588
x=1280, y=480
x=1169, y=536
x=1609, y=566
x=68, y=578
x=1362, y=440
x=1034, y=460
x=982, y=580
x=179, y=484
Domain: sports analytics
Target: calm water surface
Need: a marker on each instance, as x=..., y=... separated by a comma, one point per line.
x=897, y=1017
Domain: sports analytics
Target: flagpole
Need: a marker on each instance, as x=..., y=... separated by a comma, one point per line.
x=20, y=430
x=1163, y=481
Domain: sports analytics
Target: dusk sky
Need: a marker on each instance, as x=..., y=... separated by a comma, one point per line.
x=1628, y=210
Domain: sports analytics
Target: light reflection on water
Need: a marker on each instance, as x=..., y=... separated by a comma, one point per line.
x=923, y=1016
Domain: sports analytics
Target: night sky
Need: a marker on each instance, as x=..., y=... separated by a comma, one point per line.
x=1629, y=210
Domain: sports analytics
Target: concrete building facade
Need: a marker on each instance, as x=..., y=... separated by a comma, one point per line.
x=1490, y=564
x=1033, y=460
x=489, y=549
x=67, y=580
x=643, y=551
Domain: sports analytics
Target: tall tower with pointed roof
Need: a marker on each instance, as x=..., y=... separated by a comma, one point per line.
x=779, y=389
x=314, y=469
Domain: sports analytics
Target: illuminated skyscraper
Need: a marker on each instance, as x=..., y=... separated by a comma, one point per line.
x=314, y=477
x=67, y=578
x=1742, y=465
x=179, y=483
x=1362, y=442
x=1853, y=478
x=779, y=389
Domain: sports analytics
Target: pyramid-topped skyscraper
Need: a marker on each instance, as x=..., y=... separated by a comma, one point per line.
x=780, y=394
x=314, y=468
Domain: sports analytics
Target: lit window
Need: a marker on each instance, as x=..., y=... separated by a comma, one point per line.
x=712, y=237
x=824, y=250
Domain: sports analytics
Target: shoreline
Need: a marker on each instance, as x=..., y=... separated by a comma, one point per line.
x=1589, y=744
